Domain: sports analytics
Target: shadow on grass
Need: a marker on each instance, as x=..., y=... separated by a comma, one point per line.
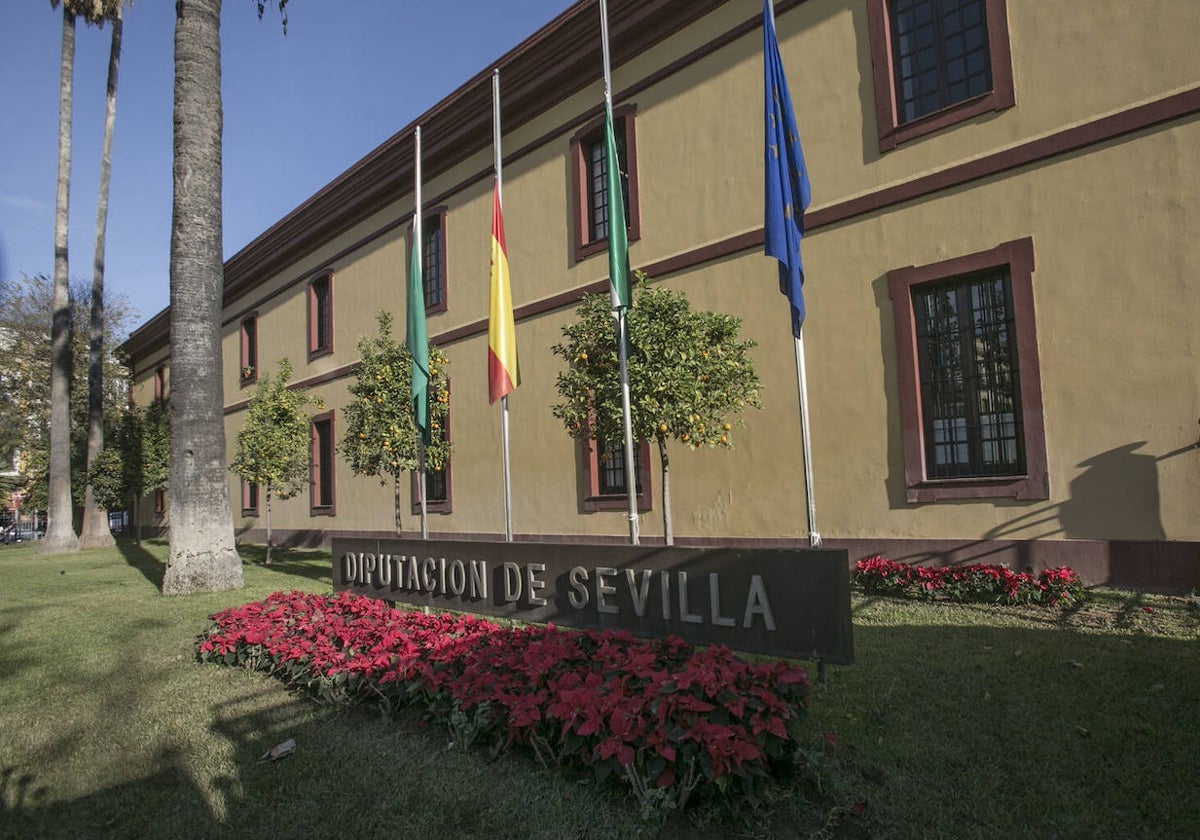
x=949, y=723
x=152, y=566
x=351, y=774
x=312, y=564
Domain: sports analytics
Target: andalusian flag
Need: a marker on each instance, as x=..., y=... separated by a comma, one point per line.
x=417, y=339
x=503, y=372
x=618, y=243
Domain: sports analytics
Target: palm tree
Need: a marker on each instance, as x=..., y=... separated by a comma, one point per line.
x=95, y=519
x=203, y=556
x=60, y=529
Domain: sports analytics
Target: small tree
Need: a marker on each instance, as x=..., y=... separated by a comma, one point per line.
x=381, y=437
x=272, y=447
x=688, y=373
x=134, y=461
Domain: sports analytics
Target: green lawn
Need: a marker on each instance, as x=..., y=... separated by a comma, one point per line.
x=955, y=721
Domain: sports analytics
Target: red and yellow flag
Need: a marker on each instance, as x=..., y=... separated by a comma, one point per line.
x=503, y=373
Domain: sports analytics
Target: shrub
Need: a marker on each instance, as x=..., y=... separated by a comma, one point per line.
x=979, y=582
x=667, y=719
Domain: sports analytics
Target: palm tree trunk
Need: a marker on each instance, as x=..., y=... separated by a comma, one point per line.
x=60, y=529
x=95, y=518
x=203, y=556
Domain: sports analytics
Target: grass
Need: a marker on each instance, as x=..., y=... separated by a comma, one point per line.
x=955, y=721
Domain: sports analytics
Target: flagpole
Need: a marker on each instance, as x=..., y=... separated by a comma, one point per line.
x=418, y=246
x=619, y=310
x=508, y=529
x=814, y=536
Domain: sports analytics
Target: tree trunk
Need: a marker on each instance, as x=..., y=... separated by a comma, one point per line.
x=95, y=530
x=396, y=487
x=267, y=562
x=203, y=556
x=60, y=529
x=668, y=526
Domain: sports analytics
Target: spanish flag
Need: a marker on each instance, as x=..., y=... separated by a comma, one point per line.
x=503, y=373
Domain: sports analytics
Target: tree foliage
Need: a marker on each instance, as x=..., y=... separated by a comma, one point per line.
x=134, y=461
x=689, y=375
x=688, y=371
x=381, y=435
x=25, y=307
x=273, y=445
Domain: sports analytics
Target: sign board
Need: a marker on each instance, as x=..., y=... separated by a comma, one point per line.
x=792, y=603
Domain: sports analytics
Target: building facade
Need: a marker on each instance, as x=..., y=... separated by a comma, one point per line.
x=1001, y=353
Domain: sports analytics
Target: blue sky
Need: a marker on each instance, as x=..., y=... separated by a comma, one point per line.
x=299, y=110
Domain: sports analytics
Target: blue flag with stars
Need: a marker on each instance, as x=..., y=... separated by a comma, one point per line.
x=787, y=191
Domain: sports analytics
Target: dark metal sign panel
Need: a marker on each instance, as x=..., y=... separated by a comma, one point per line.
x=780, y=602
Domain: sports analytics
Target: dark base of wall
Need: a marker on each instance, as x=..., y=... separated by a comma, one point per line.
x=1153, y=566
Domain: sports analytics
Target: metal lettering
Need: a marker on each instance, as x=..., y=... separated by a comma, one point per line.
x=458, y=577
x=714, y=602
x=757, y=604
x=512, y=582
x=640, y=595
x=533, y=583
x=684, y=615
x=428, y=572
x=577, y=579
x=604, y=589
x=478, y=578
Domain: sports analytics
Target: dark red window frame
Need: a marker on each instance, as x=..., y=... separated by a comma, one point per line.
x=323, y=472
x=892, y=130
x=585, y=244
x=594, y=500
x=1034, y=484
x=445, y=505
x=250, y=492
x=320, y=315
x=248, y=371
x=434, y=279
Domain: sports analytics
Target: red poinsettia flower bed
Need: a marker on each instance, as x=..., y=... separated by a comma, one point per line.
x=660, y=714
x=979, y=582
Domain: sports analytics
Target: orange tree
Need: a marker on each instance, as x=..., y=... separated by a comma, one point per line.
x=689, y=375
x=381, y=436
x=273, y=444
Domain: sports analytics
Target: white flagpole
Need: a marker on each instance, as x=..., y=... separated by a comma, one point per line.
x=814, y=537
x=619, y=314
x=418, y=244
x=508, y=529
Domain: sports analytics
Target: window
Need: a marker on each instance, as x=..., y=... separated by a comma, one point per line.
x=160, y=384
x=437, y=482
x=249, y=498
x=590, y=181
x=320, y=316
x=160, y=502
x=936, y=63
x=970, y=382
x=433, y=260
x=605, y=487
x=323, y=492
x=249, y=356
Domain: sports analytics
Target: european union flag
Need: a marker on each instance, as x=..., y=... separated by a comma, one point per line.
x=787, y=190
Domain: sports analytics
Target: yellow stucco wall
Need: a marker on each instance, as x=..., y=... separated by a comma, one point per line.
x=1113, y=293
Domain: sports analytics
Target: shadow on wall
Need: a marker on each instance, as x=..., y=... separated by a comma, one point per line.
x=1117, y=495
x=1113, y=507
